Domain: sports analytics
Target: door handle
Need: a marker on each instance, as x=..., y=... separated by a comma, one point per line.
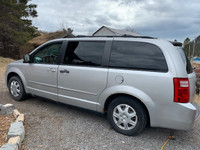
x=52, y=69
x=64, y=71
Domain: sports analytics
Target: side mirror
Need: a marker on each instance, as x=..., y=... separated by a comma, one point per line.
x=27, y=58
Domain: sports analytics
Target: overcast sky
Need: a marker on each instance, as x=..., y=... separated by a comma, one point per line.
x=167, y=19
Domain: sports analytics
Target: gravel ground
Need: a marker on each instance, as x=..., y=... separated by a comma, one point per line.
x=53, y=126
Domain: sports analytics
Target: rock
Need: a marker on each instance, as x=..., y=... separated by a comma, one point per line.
x=6, y=109
x=20, y=118
x=2, y=111
x=16, y=113
x=9, y=147
x=16, y=129
x=9, y=108
x=15, y=140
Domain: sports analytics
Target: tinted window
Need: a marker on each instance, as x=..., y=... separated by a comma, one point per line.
x=47, y=54
x=137, y=55
x=84, y=53
x=189, y=68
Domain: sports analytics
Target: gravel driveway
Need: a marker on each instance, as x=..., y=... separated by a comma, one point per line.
x=53, y=126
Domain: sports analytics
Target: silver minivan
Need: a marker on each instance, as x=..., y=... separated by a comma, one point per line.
x=134, y=80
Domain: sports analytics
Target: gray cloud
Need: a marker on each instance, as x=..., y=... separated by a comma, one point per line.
x=163, y=19
x=104, y=20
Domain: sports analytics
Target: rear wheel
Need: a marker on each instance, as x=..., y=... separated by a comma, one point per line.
x=16, y=88
x=127, y=116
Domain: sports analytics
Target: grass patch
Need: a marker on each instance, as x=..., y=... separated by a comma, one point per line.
x=5, y=60
x=3, y=63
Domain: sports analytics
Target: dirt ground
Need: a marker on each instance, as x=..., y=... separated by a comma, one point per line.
x=53, y=126
x=5, y=122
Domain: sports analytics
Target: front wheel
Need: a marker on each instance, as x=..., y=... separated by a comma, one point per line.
x=16, y=88
x=127, y=116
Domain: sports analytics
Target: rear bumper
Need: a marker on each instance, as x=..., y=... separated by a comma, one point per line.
x=180, y=116
x=197, y=110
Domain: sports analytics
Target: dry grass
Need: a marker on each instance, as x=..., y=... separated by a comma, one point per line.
x=5, y=60
x=3, y=63
x=45, y=37
x=39, y=40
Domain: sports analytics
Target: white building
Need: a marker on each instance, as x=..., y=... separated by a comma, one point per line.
x=106, y=31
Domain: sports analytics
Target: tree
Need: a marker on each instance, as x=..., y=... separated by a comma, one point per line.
x=187, y=47
x=187, y=41
x=15, y=25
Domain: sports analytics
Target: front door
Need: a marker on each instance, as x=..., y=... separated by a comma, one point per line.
x=81, y=78
x=41, y=73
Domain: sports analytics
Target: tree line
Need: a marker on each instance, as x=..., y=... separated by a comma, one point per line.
x=192, y=47
x=15, y=26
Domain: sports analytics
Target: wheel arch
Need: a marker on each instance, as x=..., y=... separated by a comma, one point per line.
x=10, y=75
x=16, y=72
x=112, y=97
x=108, y=95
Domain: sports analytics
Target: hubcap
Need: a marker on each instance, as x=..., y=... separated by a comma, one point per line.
x=15, y=88
x=125, y=117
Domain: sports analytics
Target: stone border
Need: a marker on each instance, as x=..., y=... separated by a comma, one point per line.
x=16, y=131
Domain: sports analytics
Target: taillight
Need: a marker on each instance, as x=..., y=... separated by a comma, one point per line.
x=181, y=90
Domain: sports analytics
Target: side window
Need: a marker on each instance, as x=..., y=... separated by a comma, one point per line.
x=137, y=55
x=47, y=54
x=84, y=53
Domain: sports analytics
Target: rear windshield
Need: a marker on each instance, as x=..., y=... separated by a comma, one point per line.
x=188, y=65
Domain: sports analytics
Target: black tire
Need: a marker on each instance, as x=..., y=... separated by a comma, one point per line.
x=18, y=85
x=126, y=120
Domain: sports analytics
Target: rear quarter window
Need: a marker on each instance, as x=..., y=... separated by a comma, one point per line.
x=138, y=56
x=189, y=68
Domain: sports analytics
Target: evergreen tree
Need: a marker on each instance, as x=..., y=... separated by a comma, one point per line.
x=187, y=41
x=15, y=25
x=192, y=48
x=187, y=47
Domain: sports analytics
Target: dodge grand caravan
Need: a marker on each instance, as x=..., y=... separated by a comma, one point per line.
x=134, y=80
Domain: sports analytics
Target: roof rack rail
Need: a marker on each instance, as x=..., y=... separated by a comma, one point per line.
x=125, y=35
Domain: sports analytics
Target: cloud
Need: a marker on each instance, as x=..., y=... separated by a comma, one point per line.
x=163, y=19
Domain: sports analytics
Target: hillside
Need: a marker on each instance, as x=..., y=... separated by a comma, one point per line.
x=42, y=38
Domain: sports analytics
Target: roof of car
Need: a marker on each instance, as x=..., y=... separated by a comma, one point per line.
x=83, y=37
